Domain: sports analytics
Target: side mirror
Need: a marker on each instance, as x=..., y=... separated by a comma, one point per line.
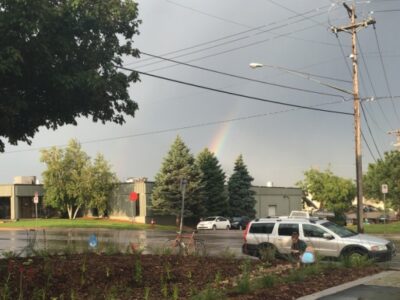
x=328, y=236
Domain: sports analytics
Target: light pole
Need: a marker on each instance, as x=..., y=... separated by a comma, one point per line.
x=255, y=65
x=183, y=190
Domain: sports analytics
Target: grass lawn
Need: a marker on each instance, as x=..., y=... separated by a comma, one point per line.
x=80, y=223
x=389, y=228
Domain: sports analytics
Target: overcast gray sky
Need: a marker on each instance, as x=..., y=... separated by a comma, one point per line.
x=278, y=142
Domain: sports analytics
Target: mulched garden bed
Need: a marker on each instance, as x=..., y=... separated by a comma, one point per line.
x=130, y=276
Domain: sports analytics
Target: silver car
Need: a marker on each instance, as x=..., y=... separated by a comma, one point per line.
x=328, y=239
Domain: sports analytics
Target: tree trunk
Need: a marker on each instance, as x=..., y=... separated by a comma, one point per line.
x=76, y=211
x=69, y=210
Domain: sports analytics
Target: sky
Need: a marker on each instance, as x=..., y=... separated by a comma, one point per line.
x=278, y=142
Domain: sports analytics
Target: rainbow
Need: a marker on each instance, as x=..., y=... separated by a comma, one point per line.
x=219, y=139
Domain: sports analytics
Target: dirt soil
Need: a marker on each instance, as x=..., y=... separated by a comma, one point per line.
x=129, y=276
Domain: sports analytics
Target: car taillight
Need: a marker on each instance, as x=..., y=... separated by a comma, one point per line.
x=246, y=231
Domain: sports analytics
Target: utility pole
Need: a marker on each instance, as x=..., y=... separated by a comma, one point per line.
x=397, y=133
x=352, y=28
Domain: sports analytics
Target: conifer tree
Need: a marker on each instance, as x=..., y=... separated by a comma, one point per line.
x=241, y=197
x=167, y=193
x=213, y=180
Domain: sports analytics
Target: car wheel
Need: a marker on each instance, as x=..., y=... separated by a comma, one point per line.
x=214, y=227
x=355, y=254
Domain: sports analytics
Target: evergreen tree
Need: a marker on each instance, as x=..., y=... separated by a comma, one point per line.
x=213, y=180
x=167, y=193
x=241, y=197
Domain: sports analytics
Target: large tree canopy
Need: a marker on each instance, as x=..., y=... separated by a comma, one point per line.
x=213, y=180
x=72, y=182
x=384, y=171
x=58, y=62
x=333, y=193
x=179, y=164
x=241, y=196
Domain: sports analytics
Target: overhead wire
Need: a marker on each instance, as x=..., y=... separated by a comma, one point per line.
x=174, y=129
x=234, y=94
x=245, y=78
x=371, y=83
x=385, y=73
x=242, y=32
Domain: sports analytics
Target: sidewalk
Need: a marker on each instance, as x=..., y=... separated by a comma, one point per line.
x=385, y=285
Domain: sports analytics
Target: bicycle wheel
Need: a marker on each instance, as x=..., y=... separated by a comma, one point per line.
x=200, y=248
x=173, y=246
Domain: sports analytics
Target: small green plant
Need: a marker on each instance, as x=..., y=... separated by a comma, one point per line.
x=5, y=293
x=244, y=284
x=146, y=293
x=111, y=248
x=356, y=261
x=167, y=269
x=175, y=292
x=217, y=279
x=268, y=281
x=9, y=254
x=83, y=271
x=164, y=290
x=138, y=271
x=209, y=293
x=267, y=254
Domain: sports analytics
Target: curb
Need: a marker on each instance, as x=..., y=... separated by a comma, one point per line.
x=347, y=285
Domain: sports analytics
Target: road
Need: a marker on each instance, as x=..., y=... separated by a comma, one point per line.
x=225, y=242
x=220, y=241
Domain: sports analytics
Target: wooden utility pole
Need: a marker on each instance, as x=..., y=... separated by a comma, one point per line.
x=352, y=28
x=397, y=133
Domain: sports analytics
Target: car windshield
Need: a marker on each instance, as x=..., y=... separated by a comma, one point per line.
x=209, y=219
x=339, y=230
x=236, y=219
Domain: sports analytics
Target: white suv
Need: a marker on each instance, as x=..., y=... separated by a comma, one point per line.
x=327, y=238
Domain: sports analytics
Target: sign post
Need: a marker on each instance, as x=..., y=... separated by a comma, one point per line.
x=133, y=198
x=384, y=192
x=36, y=201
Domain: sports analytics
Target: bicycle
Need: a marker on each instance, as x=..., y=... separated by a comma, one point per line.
x=185, y=244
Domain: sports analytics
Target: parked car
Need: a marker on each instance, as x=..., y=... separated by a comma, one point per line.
x=327, y=238
x=239, y=222
x=214, y=223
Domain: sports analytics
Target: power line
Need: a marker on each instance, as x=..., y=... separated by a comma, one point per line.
x=236, y=94
x=244, y=78
x=385, y=74
x=242, y=32
x=370, y=81
x=369, y=149
x=370, y=132
x=154, y=132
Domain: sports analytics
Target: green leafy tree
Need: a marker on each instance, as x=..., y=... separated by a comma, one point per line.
x=333, y=193
x=167, y=193
x=384, y=171
x=58, y=62
x=213, y=181
x=102, y=184
x=241, y=197
x=67, y=178
x=72, y=182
